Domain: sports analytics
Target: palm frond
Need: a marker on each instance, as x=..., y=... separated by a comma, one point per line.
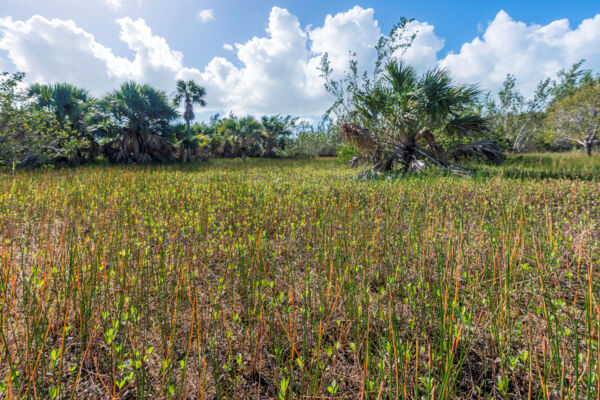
x=485, y=148
x=402, y=77
x=361, y=138
x=465, y=125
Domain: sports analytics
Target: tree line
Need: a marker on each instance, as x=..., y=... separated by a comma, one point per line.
x=392, y=117
x=561, y=114
x=399, y=119
x=62, y=123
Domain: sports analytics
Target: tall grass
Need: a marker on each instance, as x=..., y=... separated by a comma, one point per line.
x=289, y=279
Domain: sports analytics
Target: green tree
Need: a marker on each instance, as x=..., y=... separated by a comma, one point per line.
x=70, y=104
x=244, y=132
x=568, y=81
x=396, y=116
x=30, y=135
x=276, y=129
x=142, y=114
x=518, y=120
x=405, y=112
x=65, y=100
x=576, y=117
x=189, y=93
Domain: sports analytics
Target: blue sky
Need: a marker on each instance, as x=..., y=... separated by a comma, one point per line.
x=272, y=68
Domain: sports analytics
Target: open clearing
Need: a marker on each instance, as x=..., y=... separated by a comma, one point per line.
x=290, y=279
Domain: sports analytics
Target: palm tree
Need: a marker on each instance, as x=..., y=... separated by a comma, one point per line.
x=276, y=128
x=250, y=130
x=143, y=115
x=244, y=131
x=63, y=99
x=399, y=118
x=189, y=93
x=70, y=105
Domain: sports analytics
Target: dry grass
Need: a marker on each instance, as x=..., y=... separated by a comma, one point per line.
x=289, y=279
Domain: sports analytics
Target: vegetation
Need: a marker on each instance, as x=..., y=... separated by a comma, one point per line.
x=576, y=117
x=188, y=94
x=394, y=118
x=401, y=121
x=291, y=279
x=60, y=123
x=541, y=123
x=31, y=135
x=141, y=115
x=241, y=277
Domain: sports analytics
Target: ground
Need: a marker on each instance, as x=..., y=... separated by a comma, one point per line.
x=290, y=279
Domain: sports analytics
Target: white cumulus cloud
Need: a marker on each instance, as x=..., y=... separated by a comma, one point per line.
x=353, y=31
x=155, y=62
x=56, y=51
x=277, y=72
x=530, y=52
x=206, y=15
x=422, y=54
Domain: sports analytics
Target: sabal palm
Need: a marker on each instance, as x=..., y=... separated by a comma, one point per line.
x=189, y=93
x=249, y=130
x=243, y=131
x=141, y=107
x=409, y=110
x=65, y=100
x=141, y=110
x=275, y=129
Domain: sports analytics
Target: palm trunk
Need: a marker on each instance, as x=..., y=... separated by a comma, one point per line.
x=408, y=154
x=189, y=141
x=136, y=147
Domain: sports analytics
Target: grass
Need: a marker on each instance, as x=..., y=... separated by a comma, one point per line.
x=290, y=279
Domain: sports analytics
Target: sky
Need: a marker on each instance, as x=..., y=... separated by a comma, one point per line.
x=262, y=57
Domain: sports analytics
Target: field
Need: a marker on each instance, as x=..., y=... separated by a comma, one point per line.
x=290, y=279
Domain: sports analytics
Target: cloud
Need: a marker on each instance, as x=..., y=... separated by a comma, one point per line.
x=114, y=4
x=56, y=51
x=272, y=74
x=155, y=62
x=206, y=15
x=530, y=52
x=423, y=52
x=353, y=31
x=277, y=72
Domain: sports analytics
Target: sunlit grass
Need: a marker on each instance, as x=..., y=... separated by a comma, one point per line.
x=290, y=279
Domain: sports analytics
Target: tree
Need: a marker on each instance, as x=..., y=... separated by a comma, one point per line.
x=311, y=140
x=64, y=99
x=396, y=116
x=516, y=119
x=30, y=135
x=571, y=79
x=142, y=115
x=276, y=129
x=70, y=104
x=242, y=132
x=576, y=117
x=404, y=112
x=189, y=93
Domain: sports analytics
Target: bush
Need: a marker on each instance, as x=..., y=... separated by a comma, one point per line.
x=346, y=152
x=31, y=136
